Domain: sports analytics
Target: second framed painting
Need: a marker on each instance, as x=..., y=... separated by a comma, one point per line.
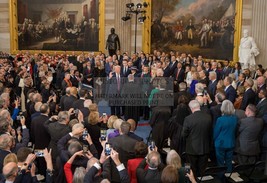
x=198, y=27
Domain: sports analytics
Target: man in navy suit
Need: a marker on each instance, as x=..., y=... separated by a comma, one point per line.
x=141, y=61
x=227, y=69
x=212, y=84
x=262, y=104
x=125, y=71
x=173, y=64
x=249, y=95
x=116, y=84
x=230, y=92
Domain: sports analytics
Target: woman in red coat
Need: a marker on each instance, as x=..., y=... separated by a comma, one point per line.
x=140, y=153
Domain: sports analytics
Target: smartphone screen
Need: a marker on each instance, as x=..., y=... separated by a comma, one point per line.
x=187, y=168
x=103, y=135
x=107, y=149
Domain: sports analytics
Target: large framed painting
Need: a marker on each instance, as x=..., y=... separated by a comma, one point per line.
x=200, y=27
x=58, y=25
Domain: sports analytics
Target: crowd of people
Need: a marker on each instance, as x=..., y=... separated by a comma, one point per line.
x=51, y=129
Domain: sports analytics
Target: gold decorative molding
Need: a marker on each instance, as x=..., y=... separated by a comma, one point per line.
x=146, y=33
x=238, y=27
x=13, y=21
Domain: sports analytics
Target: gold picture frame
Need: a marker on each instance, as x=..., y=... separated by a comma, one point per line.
x=147, y=31
x=14, y=29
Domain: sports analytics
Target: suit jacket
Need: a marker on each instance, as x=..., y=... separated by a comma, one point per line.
x=197, y=131
x=74, y=81
x=249, y=135
x=3, y=154
x=40, y=136
x=180, y=77
x=230, y=94
x=148, y=176
x=226, y=71
x=78, y=104
x=134, y=136
x=56, y=131
x=124, y=145
x=261, y=108
x=167, y=72
x=248, y=98
x=172, y=67
x=215, y=112
x=212, y=89
x=68, y=102
x=126, y=73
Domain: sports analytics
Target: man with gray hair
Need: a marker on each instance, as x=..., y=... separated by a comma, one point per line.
x=230, y=93
x=197, y=131
x=6, y=143
x=212, y=84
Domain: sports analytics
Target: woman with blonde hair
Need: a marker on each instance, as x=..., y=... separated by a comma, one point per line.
x=11, y=157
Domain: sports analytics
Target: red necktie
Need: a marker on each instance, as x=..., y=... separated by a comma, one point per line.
x=178, y=71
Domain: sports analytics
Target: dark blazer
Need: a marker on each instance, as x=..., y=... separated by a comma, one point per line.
x=180, y=77
x=40, y=136
x=74, y=81
x=68, y=102
x=226, y=71
x=148, y=175
x=126, y=73
x=124, y=145
x=56, y=132
x=167, y=72
x=212, y=89
x=134, y=136
x=248, y=98
x=215, y=112
x=173, y=66
x=3, y=154
x=230, y=94
x=94, y=131
x=78, y=104
x=248, y=136
x=261, y=108
x=197, y=131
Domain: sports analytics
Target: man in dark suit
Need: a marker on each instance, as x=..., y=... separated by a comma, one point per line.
x=79, y=104
x=69, y=101
x=124, y=145
x=75, y=79
x=40, y=136
x=230, y=93
x=214, y=68
x=125, y=70
x=116, y=82
x=241, y=80
x=166, y=70
x=248, y=145
x=173, y=64
x=262, y=104
x=178, y=75
x=141, y=61
x=249, y=95
x=57, y=128
x=131, y=132
x=261, y=85
x=212, y=84
x=216, y=109
x=197, y=131
x=153, y=173
x=181, y=91
x=227, y=69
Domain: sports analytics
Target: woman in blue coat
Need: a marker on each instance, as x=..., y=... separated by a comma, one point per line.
x=224, y=135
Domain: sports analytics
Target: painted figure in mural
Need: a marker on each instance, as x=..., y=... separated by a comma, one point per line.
x=190, y=28
x=247, y=51
x=113, y=42
x=179, y=32
x=204, y=34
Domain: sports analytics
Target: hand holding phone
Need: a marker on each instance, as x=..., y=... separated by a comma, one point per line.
x=107, y=149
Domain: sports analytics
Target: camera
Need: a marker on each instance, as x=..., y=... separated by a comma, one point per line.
x=39, y=153
x=85, y=133
x=85, y=148
x=103, y=135
x=152, y=146
x=19, y=117
x=187, y=168
x=205, y=92
x=76, y=112
x=104, y=115
x=107, y=149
